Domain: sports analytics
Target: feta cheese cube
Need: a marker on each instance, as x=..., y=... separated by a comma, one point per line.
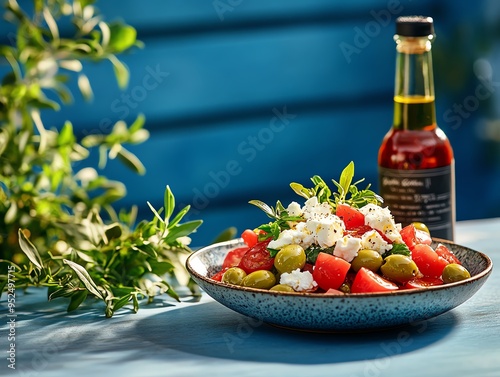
x=347, y=248
x=294, y=209
x=373, y=240
x=313, y=210
x=327, y=230
x=381, y=219
x=299, y=280
x=286, y=237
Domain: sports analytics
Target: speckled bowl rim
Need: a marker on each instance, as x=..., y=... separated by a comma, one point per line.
x=406, y=292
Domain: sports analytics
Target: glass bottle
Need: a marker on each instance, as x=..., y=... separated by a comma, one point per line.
x=416, y=162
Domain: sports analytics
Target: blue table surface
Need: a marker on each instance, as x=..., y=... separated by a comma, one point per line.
x=190, y=338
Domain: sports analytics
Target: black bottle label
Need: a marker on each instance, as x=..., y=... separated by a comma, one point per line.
x=426, y=196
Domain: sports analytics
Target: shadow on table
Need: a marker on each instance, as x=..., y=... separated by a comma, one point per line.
x=212, y=330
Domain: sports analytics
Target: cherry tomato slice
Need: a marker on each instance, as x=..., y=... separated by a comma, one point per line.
x=233, y=258
x=249, y=237
x=422, y=282
x=367, y=281
x=257, y=258
x=351, y=216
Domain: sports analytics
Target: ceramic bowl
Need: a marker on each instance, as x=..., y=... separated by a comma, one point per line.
x=337, y=313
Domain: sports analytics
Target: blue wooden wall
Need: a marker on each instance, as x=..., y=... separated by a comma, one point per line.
x=243, y=97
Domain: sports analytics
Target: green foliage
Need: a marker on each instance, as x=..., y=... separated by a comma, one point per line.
x=51, y=216
x=398, y=248
x=347, y=192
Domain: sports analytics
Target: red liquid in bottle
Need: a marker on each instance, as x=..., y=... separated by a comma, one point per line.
x=416, y=168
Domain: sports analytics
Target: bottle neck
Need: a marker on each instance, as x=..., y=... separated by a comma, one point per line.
x=414, y=106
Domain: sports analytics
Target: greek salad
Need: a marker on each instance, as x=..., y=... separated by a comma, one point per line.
x=336, y=243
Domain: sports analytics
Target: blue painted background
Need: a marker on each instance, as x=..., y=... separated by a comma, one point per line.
x=243, y=97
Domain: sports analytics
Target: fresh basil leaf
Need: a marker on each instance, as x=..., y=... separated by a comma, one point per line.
x=272, y=252
x=398, y=248
x=312, y=253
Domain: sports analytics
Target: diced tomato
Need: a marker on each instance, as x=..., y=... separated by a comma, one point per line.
x=412, y=236
x=447, y=254
x=233, y=258
x=249, y=237
x=422, y=282
x=367, y=281
x=257, y=258
x=330, y=271
x=428, y=261
x=332, y=291
x=351, y=216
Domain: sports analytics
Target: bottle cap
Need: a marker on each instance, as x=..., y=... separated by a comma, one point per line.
x=414, y=26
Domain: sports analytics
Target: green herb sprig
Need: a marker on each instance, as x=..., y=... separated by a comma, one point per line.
x=113, y=263
x=347, y=192
x=279, y=215
x=58, y=225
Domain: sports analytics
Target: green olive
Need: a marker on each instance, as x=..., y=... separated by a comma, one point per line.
x=262, y=279
x=367, y=258
x=422, y=227
x=289, y=258
x=282, y=288
x=454, y=272
x=399, y=268
x=234, y=275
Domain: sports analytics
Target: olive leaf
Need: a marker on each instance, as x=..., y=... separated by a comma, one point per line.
x=76, y=300
x=30, y=250
x=85, y=278
x=168, y=203
x=65, y=206
x=226, y=235
x=268, y=210
x=182, y=230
